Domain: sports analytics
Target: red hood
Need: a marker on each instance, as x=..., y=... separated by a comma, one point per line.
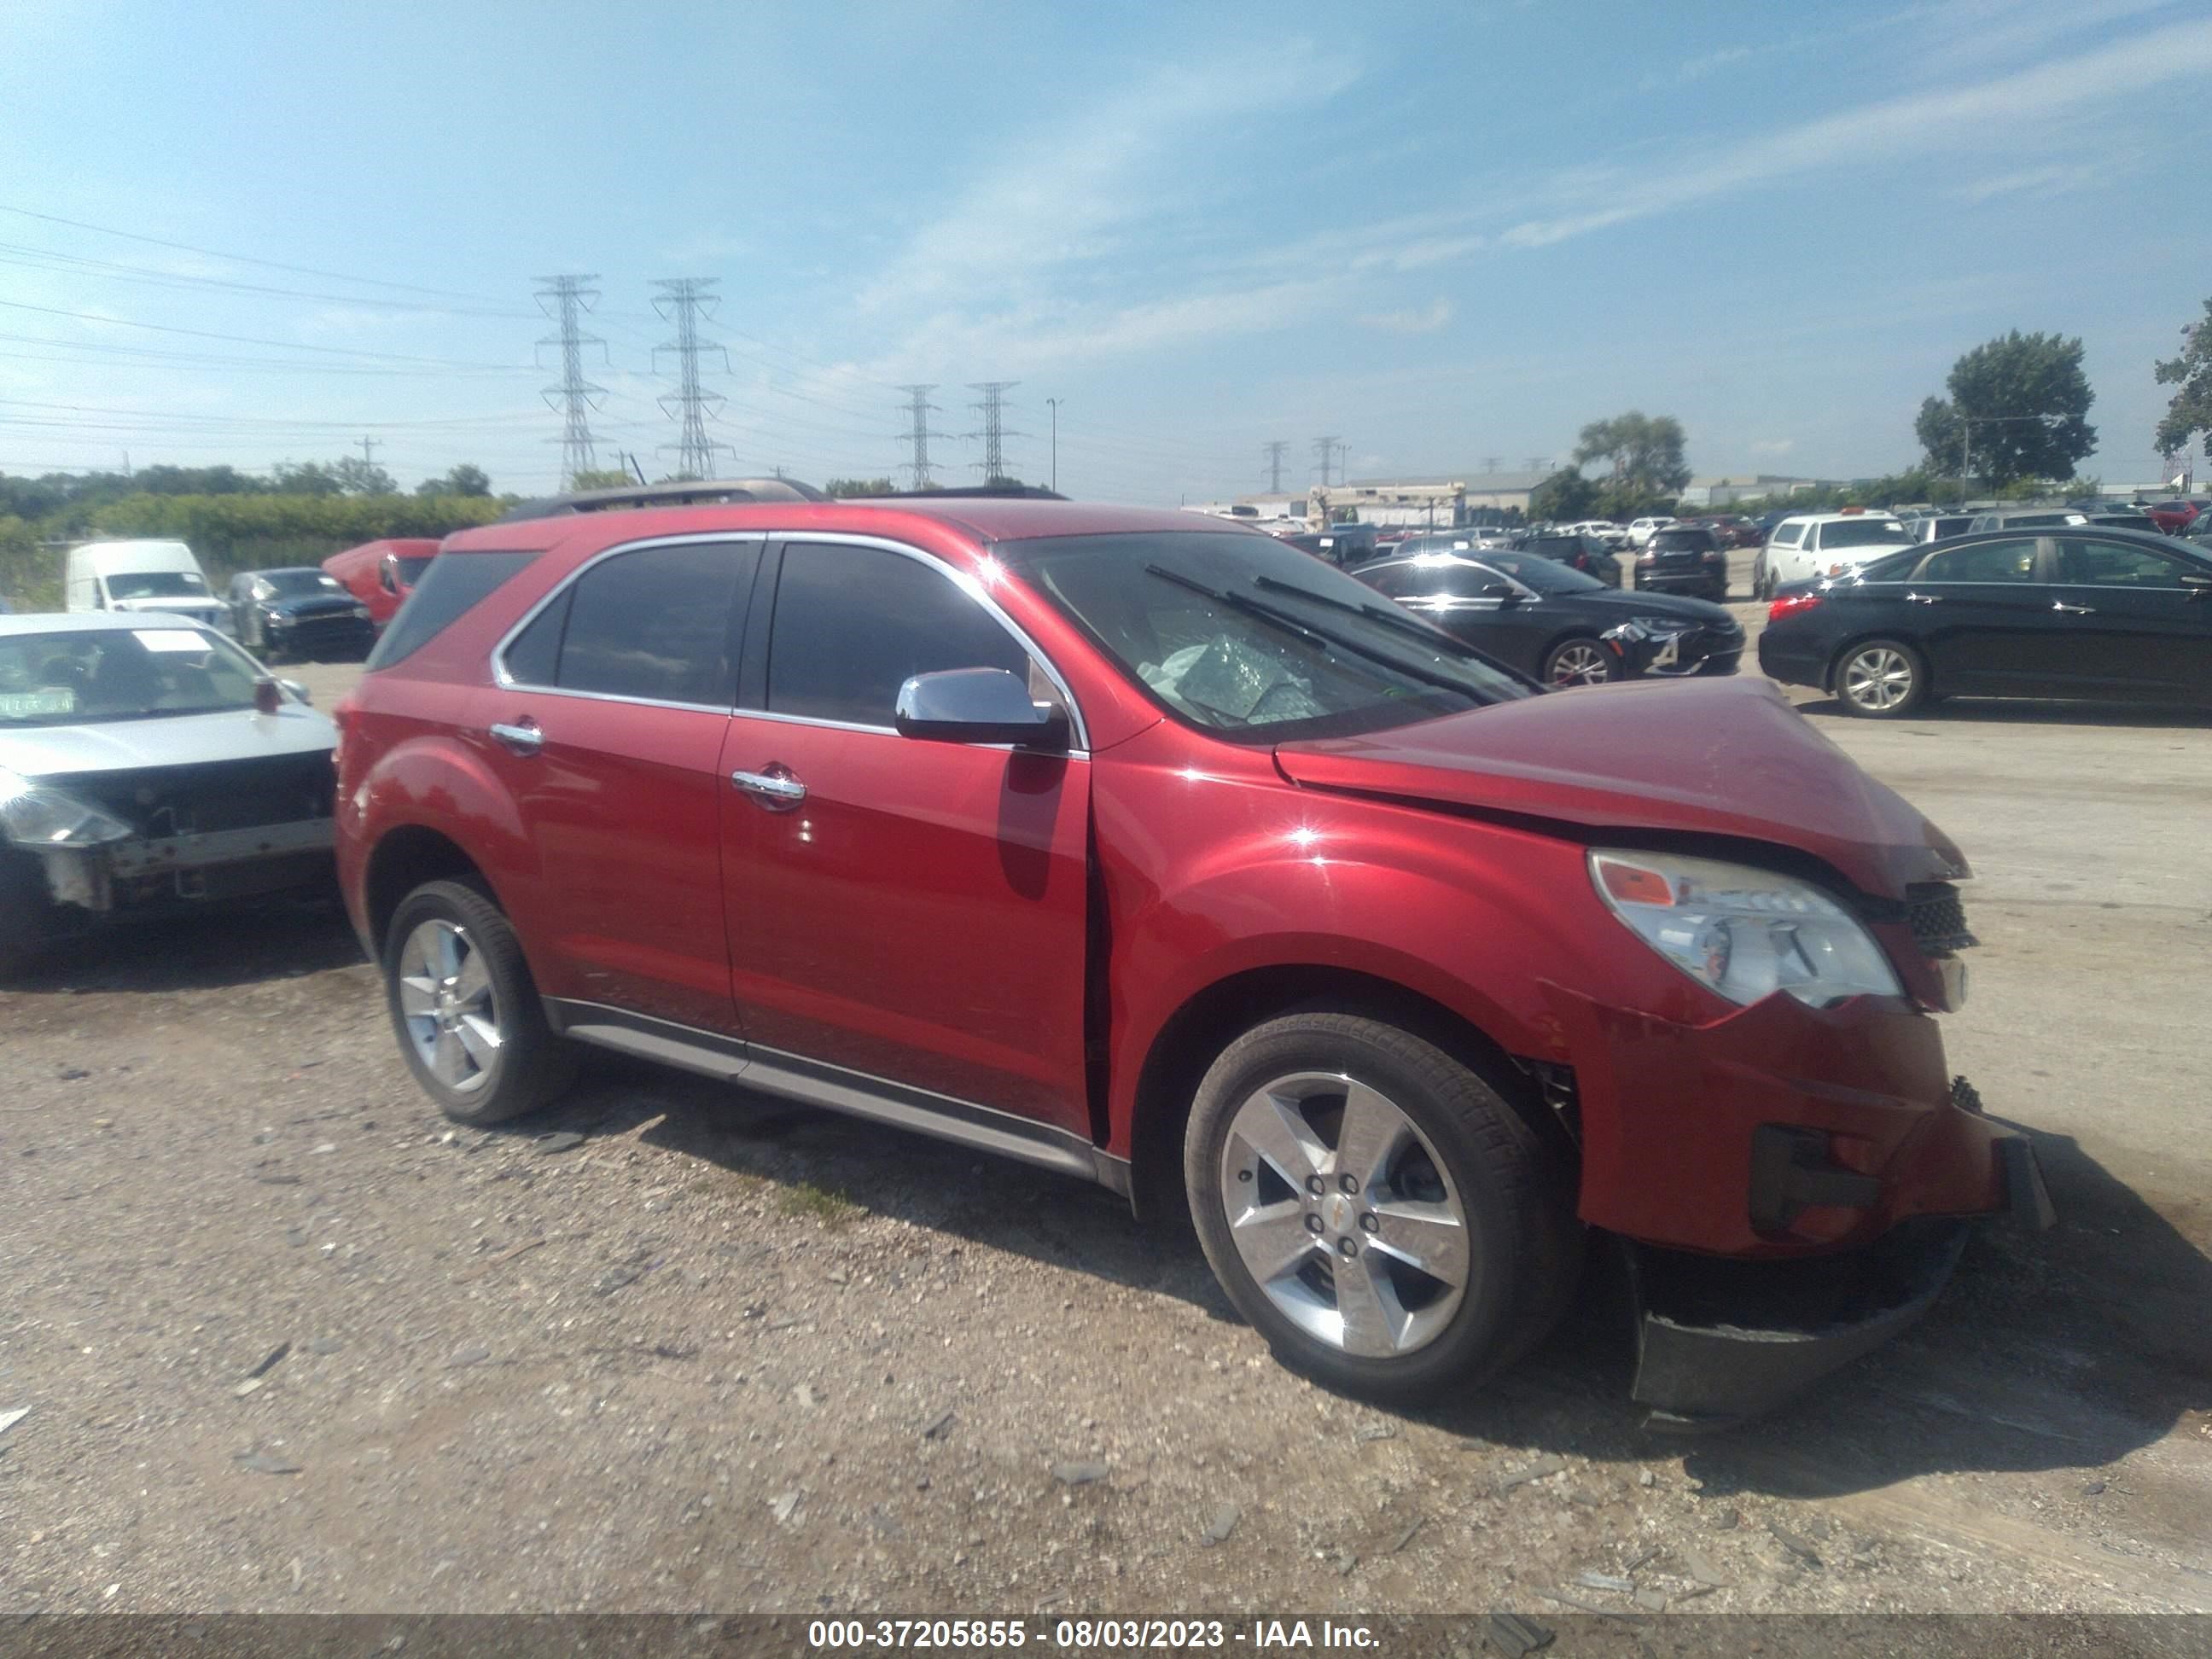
x=1721, y=756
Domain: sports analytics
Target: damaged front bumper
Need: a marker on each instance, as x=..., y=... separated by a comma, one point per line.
x=1719, y=1340
x=136, y=873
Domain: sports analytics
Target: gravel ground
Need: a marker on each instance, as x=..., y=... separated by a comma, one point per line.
x=284, y=1340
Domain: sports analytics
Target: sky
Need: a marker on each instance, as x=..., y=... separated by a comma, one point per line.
x=1447, y=235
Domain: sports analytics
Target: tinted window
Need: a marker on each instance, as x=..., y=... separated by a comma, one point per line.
x=450, y=587
x=1862, y=532
x=2116, y=564
x=655, y=624
x=854, y=623
x=1984, y=562
x=1682, y=541
x=534, y=658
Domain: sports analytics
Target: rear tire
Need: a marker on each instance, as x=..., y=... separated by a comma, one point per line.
x=465, y=1009
x=1880, y=679
x=1440, y=1245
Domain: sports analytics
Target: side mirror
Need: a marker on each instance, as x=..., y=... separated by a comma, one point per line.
x=2195, y=586
x=298, y=690
x=977, y=705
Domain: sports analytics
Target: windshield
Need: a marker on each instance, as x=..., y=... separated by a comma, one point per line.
x=95, y=675
x=1862, y=532
x=1252, y=640
x=412, y=567
x=156, y=584
x=1676, y=540
x=1544, y=575
x=298, y=584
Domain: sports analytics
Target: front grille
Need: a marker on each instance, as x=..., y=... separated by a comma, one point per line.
x=241, y=794
x=1938, y=919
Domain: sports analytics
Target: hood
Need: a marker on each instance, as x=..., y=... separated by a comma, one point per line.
x=177, y=604
x=61, y=751
x=1719, y=756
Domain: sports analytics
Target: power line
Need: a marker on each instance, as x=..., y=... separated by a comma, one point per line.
x=1324, y=451
x=235, y=339
x=1275, y=446
x=918, y=435
x=577, y=396
x=995, y=431
x=684, y=298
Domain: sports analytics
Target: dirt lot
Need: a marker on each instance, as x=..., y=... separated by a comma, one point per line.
x=287, y=1341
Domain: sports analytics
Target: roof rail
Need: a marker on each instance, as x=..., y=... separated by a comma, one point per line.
x=967, y=492
x=690, y=493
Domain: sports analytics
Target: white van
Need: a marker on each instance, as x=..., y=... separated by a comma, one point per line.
x=1809, y=545
x=143, y=575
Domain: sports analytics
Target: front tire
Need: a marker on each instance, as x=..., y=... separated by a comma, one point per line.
x=1579, y=660
x=1881, y=680
x=1375, y=1208
x=466, y=1009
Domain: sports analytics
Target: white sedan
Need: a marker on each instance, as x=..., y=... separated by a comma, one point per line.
x=149, y=765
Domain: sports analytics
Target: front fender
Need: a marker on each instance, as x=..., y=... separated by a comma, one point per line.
x=434, y=780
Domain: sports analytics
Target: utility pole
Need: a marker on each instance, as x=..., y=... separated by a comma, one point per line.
x=565, y=299
x=1492, y=463
x=918, y=409
x=1324, y=451
x=1344, y=462
x=368, y=451
x=1055, y=403
x=682, y=300
x=1274, y=447
x=994, y=432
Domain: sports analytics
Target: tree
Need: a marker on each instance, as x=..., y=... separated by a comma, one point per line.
x=2190, y=411
x=363, y=477
x=1643, y=455
x=2018, y=409
x=461, y=480
x=600, y=477
x=845, y=487
x=1564, y=497
x=306, y=478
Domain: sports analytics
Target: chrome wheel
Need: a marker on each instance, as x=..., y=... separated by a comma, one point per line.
x=449, y=1006
x=1878, y=679
x=1580, y=662
x=1340, y=1210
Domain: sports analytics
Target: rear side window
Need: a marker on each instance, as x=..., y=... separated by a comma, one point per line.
x=852, y=623
x=656, y=624
x=1984, y=562
x=450, y=588
x=2115, y=564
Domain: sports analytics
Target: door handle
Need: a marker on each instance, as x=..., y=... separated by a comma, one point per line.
x=778, y=791
x=519, y=739
x=2073, y=610
x=1925, y=598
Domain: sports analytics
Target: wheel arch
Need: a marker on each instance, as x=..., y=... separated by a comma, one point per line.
x=403, y=858
x=1191, y=1038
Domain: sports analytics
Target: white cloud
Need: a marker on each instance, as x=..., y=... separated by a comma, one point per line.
x=1898, y=128
x=1695, y=69
x=1425, y=319
x=2038, y=181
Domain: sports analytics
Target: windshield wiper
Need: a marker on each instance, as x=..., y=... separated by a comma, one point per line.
x=1389, y=618
x=1288, y=623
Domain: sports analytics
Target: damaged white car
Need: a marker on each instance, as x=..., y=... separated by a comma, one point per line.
x=147, y=765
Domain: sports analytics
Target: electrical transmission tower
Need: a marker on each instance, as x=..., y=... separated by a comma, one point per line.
x=682, y=299
x=995, y=431
x=918, y=409
x=1274, y=447
x=1324, y=451
x=1540, y=463
x=574, y=398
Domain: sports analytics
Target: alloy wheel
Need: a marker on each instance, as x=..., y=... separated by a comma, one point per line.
x=1580, y=662
x=1341, y=1210
x=1878, y=679
x=449, y=1005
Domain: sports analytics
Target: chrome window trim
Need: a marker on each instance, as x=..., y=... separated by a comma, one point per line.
x=967, y=584
x=1080, y=748
x=506, y=682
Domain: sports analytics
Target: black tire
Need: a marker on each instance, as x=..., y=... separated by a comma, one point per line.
x=25, y=912
x=1586, y=648
x=1516, y=1200
x=1865, y=679
x=532, y=1064
x=1762, y=585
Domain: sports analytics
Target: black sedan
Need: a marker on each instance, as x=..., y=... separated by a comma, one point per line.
x=2080, y=612
x=299, y=611
x=1558, y=624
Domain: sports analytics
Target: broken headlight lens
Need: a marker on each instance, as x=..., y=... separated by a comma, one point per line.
x=1743, y=931
x=34, y=815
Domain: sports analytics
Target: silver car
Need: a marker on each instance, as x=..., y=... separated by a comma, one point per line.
x=149, y=765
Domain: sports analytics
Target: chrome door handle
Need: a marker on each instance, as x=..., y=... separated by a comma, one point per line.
x=520, y=739
x=778, y=791
x=2073, y=610
x=1925, y=598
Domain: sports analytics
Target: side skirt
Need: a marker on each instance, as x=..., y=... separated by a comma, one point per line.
x=857, y=1094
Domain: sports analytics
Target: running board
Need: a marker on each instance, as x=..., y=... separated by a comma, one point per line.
x=856, y=1094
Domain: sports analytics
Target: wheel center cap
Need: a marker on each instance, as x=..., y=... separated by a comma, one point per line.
x=1338, y=1211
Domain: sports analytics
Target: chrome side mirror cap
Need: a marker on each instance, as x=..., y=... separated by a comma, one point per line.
x=977, y=705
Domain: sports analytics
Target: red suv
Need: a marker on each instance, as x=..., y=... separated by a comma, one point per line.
x=1171, y=858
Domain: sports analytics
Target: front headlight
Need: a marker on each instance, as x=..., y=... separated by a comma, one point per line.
x=33, y=815
x=1743, y=931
